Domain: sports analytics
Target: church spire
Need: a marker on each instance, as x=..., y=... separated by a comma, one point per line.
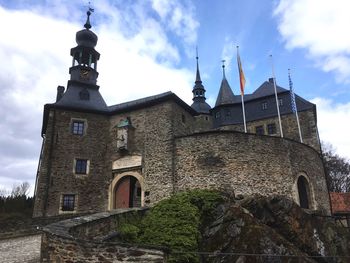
x=198, y=76
x=223, y=68
x=198, y=91
x=225, y=95
x=87, y=24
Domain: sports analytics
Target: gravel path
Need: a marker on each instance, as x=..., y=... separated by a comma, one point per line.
x=20, y=250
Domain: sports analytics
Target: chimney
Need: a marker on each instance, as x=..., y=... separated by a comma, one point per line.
x=60, y=91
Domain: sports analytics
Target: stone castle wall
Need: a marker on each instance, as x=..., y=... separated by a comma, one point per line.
x=249, y=164
x=151, y=138
x=308, y=126
x=154, y=130
x=84, y=239
x=168, y=160
x=57, y=175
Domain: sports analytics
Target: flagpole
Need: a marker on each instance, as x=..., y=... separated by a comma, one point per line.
x=277, y=104
x=301, y=138
x=294, y=105
x=242, y=88
x=245, y=124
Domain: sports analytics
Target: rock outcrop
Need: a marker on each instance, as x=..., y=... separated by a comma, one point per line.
x=272, y=229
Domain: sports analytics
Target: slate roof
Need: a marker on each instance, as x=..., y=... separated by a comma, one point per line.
x=71, y=98
x=148, y=101
x=225, y=95
x=340, y=203
x=198, y=91
x=98, y=106
x=253, y=105
x=201, y=107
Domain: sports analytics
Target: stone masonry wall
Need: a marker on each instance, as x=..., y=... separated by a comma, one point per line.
x=90, y=190
x=43, y=173
x=308, y=126
x=249, y=164
x=81, y=240
x=154, y=131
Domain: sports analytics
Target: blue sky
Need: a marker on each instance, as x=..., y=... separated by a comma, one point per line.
x=148, y=47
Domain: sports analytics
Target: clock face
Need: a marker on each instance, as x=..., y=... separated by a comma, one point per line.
x=84, y=74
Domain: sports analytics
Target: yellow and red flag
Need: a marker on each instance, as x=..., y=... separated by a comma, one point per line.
x=241, y=74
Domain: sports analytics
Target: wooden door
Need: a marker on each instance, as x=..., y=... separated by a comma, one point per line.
x=122, y=193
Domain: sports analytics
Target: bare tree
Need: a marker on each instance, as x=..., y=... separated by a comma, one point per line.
x=20, y=190
x=4, y=192
x=337, y=169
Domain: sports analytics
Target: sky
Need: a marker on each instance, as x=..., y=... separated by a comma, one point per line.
x=148, y=47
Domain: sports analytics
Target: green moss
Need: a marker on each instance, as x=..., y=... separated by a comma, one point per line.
x=175, y=223
x=129, y=233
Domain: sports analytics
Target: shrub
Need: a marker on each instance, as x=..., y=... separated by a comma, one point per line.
x=175, y=223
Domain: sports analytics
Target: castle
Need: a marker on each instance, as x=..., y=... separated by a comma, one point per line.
x=96, y=157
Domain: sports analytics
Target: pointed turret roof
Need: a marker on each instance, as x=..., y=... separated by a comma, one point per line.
x=225, y=95
x=198, y=91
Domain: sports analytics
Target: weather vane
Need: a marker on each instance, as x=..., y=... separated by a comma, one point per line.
x=223, y=62
x=90, y=9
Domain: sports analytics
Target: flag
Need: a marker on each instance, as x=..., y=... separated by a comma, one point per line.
x=292, y=95
x=241, y=74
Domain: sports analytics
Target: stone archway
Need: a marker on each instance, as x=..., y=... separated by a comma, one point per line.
x=126, y=191
x=303, y=192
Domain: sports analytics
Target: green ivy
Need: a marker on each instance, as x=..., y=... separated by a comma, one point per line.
x=175, y=223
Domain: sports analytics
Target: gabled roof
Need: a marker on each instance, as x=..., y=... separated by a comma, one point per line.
x=118, y=108
x=340, y=203
x=149, y=101
x=225, y=95
x=266, y=89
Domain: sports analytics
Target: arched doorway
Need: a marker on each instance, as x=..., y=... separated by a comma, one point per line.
x=303, y=192
x=127, y=193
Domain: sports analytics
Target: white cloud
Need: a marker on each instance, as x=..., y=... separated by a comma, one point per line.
x=137, y=59
x=178, y=17
x=320, y=27
x=333, y=124
x=227, y=53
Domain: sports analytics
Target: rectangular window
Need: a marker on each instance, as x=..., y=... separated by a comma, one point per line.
x=183, y=118
x=259, y=130
x=81, y=166
x=271, y=128
x=280, y=102
x=68, y=202
x=78, y=127
x=217, y=115
x=264, y=105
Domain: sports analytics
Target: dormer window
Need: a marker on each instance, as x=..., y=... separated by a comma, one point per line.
x=264, y=105
x=280, y=102
x=84, y=94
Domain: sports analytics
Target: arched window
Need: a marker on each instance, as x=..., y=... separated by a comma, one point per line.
x=303, y=192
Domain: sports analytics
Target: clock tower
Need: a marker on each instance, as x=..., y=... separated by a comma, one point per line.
x=82, y=90
x=85, y=57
